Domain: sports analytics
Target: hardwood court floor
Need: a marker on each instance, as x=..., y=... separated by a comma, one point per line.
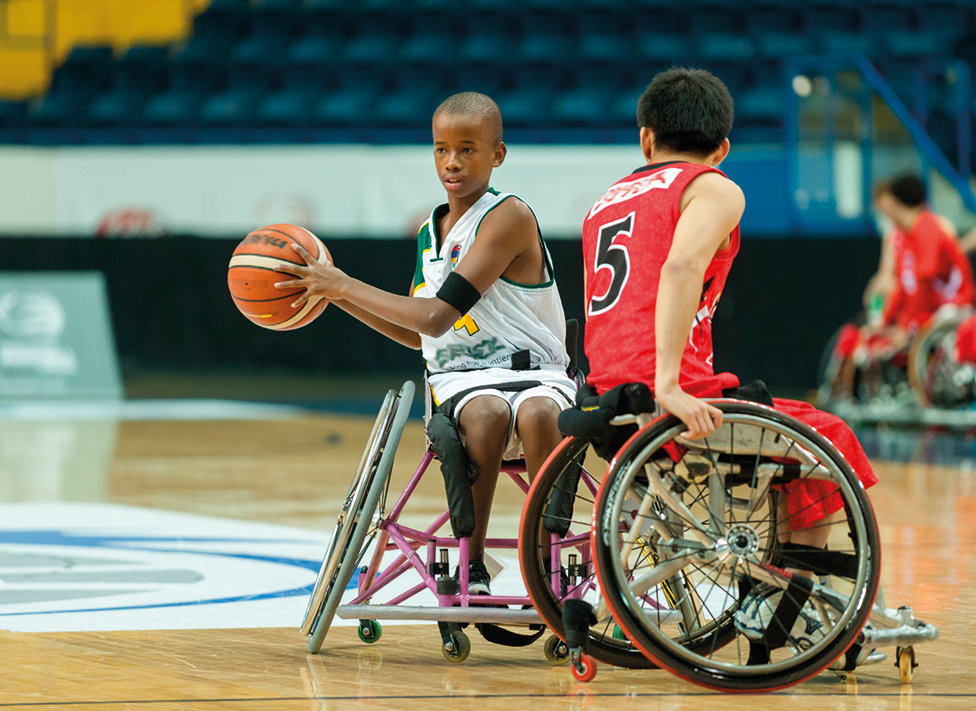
x=295, y=472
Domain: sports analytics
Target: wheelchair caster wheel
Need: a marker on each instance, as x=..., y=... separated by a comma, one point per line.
x=556, y=650
x=458, y=649
x=369, y=631
x=584, y=667
x=906, y=663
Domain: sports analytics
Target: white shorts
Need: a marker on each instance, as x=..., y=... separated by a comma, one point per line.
x=555, y=385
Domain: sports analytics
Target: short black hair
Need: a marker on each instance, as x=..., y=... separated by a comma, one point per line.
x=471, y=103
x=908, y=189
x=689, y=110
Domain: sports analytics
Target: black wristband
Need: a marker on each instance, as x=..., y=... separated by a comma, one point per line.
x=459, y=293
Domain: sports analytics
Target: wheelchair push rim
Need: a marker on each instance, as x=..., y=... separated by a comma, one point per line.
x=356, y=523
x=683, y=528
x=561, y=496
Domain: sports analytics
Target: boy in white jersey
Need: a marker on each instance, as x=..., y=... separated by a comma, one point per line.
x=484, y=309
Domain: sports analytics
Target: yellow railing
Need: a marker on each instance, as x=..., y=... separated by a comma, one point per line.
x=36, y=35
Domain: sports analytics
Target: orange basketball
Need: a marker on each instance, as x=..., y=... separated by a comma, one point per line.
x=252, y=277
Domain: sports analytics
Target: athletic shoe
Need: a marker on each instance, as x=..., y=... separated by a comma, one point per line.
x=756, y=613
x=478, y=578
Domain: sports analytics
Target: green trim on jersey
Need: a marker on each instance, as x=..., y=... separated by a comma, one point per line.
x=423, y=245
x=545, y=252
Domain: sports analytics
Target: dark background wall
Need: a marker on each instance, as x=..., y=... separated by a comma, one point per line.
x=171, y=310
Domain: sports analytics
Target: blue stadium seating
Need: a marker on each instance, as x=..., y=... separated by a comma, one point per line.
x=12, y=114
x=286, y=108
x=233, y=108
x=173, y=109
x=350, y=107
x=116, y=109
x=386, y=63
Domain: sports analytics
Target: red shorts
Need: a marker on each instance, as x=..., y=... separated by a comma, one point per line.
x=811, y=500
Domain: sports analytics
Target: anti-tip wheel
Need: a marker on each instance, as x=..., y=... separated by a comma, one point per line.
x=369, y=631
x=906, y=664
x=460, y=650
x=585, y=668
x=555, y=650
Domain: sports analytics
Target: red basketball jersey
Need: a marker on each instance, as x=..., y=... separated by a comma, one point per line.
x=932, y=271
x=626, y=239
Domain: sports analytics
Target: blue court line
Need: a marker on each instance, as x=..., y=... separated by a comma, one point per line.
x=60, y=538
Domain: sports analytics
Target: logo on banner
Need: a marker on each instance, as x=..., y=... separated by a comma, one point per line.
x=129, y=221
x=31, y=323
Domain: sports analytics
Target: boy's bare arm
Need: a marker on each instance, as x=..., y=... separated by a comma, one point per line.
x=501, y=239
x=403, y=336
x=712, y=207
x=508, y=244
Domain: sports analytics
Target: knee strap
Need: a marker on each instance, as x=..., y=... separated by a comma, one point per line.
x=458, y=471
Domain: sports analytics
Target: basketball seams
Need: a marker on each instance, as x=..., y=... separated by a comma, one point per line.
x=253, y=290
x=291, y=238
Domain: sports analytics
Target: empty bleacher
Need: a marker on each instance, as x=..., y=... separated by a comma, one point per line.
x=385, y=64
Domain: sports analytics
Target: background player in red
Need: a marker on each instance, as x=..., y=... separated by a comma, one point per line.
x=923, y=269
x=930, y=267
x=657, y=250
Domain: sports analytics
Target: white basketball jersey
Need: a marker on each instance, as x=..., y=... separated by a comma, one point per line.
x=509, y=318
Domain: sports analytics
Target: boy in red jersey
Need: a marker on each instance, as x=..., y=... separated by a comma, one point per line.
x=657, y=250
x=931, y=268
x=923, y=269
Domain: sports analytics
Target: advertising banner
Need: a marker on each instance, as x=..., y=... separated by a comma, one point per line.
x=56, y=341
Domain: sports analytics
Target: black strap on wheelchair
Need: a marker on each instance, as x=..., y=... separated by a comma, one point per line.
x=496, y=634
x=818, y=560
x=753, y=391
x=784, y=617
x=458, y=470
x=590, y=419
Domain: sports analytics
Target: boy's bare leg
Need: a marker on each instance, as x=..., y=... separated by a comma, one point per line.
x=536, y=424
x=483, y=427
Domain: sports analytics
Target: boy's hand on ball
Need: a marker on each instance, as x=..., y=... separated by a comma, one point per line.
x=318, y=279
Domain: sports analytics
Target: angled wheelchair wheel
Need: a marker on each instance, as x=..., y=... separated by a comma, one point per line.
x=691, y=565
x=359, y=517
x=931, y=364
x=560, y=502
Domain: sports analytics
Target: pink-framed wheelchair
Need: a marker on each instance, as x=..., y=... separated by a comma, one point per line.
x=372, y=551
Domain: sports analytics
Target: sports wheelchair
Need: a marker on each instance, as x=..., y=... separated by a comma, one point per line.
x=942, y=362
x=936, y=370
x=691, y=555
x=371, y=549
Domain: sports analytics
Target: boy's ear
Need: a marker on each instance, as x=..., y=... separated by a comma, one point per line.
x=498, y=157
x=721, y=154
x=647, y=143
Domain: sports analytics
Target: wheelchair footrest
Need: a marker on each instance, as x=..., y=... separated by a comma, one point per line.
x=440, y=614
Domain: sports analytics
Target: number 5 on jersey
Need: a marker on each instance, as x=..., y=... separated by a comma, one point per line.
x=612, y=254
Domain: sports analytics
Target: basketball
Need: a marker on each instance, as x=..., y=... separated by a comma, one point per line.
x=252, y=277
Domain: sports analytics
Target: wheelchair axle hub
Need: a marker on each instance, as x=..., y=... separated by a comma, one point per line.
x=742, y=539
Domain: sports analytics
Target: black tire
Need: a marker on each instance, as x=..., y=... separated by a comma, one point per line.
x=559, y=499
x=367, y=494
x=931, y=364
x=702, y=511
